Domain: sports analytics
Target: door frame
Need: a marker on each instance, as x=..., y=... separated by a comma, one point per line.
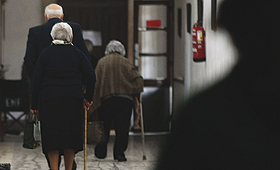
x=170, y=38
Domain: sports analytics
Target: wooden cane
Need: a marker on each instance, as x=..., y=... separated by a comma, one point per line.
x=85, y=149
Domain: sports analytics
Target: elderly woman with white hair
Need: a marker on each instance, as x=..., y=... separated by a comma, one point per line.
x=57, y=92
x=117, y=84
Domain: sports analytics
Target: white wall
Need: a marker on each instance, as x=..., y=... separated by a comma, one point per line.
x=220, y=51
x=220, y=55
x=20, y=15
x=182, y=47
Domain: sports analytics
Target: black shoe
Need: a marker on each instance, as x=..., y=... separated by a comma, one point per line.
x=136, y=130
x=31, y=145
x=100, y=151
x=100, y=158
x=120, y=158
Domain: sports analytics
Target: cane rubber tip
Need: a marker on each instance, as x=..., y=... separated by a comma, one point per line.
x=144, y=157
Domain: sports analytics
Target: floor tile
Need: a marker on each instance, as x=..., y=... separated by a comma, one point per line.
x=11, y=151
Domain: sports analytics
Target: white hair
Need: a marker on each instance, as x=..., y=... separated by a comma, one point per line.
x=56, y=12
x=62, y=31
x=115, y=46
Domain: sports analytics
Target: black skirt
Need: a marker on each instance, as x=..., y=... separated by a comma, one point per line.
x=62, y=124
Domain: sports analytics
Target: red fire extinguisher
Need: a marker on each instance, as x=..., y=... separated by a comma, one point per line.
x=198, y=34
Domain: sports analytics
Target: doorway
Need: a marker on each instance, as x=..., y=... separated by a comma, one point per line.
x=153, y=39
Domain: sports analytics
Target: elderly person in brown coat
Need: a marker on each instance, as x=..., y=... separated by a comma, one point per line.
x=118, y=82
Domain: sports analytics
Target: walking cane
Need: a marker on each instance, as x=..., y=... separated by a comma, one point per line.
x=142, y=128
x=85, y=149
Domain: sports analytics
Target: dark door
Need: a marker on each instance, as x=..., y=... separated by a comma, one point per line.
x=105, y=19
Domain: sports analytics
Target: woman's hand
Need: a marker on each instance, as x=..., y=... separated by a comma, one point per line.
x=35, y=112
x=87, y=104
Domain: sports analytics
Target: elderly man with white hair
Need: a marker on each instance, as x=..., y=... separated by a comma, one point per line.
x=58, y=97
x=39, y=37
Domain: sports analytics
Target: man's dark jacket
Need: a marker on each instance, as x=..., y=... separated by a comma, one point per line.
x=234, y=125
x=39, y=38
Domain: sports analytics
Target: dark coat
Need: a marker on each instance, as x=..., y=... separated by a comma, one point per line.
x=39, y=38
x=233, y=125
x=58, y=73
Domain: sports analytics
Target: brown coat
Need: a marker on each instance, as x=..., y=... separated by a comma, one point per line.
x=116, y=75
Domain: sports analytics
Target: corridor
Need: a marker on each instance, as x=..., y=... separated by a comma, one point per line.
x=11, y=151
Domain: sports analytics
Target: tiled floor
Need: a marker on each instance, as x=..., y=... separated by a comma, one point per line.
x=11, y=151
